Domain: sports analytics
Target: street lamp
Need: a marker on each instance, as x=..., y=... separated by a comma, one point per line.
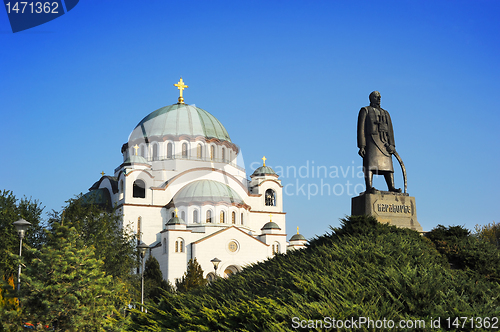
x=142, y=247
x=21, y=227
x=215, y=262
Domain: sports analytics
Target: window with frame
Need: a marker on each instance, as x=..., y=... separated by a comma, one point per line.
x=209, y=216
x=155, y=151
x=233, y=217
x=139, y=189
x=184, y=150
x=212, y=152
x=222, y=217
x=270, y=197
x=169, y=150
x=198, y=151
x=195, y=216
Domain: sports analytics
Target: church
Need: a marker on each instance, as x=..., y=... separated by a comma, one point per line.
x=181, y=189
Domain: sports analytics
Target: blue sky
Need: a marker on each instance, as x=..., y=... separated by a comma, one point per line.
x=286, y=78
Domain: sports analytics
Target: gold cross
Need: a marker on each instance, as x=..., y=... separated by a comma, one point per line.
x=264, y=160
x=181, y=86
x=176, y=210
x=102, y=173
x=136, y=147
x=270, y=217
x=297, y=229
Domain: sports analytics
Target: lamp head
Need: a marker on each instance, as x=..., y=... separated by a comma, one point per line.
x=215, y=262
x=142, y=247
x=21, y=227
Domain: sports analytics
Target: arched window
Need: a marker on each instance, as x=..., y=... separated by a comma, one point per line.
x=209, y=216
x=210, y=277
x=169, y=150
x=179, y=245
x=139, y=231
x=233, y=217
x=164, y=246
x=198, y=151
x=183, y=215
x=173, y=214
x=143, y=151
x=222, y=217
x=195, y=216
x=276, y=248
x=270, y=197
x=155, y=151
x=241, y=220
x=121, y=186
x=223, y=154
x=184, y=150
x=139, y=190
x=212, y=152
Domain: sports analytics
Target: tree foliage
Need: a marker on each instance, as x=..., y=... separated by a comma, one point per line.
x=192, y=278
x=362, y=269
x=489, y=233
x=154, y=284
x=12, y=209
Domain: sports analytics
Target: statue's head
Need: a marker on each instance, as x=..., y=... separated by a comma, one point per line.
x=375, y=99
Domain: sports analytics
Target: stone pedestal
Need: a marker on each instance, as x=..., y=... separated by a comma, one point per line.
x=390, y=208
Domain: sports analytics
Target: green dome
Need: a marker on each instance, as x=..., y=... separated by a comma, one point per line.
x=206, y=191
x=264, y=170
x=298, y=237
x=271, y=225
x=180, y=119
x=175, y=221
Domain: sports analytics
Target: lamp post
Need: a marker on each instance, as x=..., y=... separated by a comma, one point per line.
x=142, y=251
x=215, y=262
x=21, y=227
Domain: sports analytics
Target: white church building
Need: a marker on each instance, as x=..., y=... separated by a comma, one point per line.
x=181, y=189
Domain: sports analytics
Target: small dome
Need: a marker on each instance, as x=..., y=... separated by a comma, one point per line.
x=180, y=119
x=298, y=237
x=201, y=191
x=264, y=170
x=176, y=221
x=271, y=225
x=99, y=197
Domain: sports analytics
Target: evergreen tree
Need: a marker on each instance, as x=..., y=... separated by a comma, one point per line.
x=11, y=210
x=65, y=285
x=489, y=233
x=154, y=284
x=192, y=278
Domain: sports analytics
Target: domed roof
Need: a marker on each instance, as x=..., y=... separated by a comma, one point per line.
x=180, y=119
x=271, y=225
x=206, y=191
x=264, y=170
x=175, y=221
x=298, y=237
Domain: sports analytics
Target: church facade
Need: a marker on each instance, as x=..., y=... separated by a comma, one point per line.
x=181, y=189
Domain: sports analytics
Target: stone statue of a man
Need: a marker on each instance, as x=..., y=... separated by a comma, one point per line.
x=376, y=143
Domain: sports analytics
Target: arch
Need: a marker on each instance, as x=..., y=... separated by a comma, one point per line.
x=222, y=217
x=179, y=245
x=139, y=189
x=223, y=154
x=276, y=248
x=184, y=150
x=209, y=216
x=199, y=153
x=241, y=220
x=143, y=151
x=155, y=151
x=211, y=277
x=170, y=148
x=270, y=197
x=230, y=271
x=195, y=216
x=233, y=217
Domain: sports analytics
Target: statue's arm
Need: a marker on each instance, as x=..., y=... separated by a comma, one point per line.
x=361, y=131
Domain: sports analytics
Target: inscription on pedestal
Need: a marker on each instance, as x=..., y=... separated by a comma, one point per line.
x=392, y=208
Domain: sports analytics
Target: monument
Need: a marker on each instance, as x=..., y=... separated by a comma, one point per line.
x=377, y=146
